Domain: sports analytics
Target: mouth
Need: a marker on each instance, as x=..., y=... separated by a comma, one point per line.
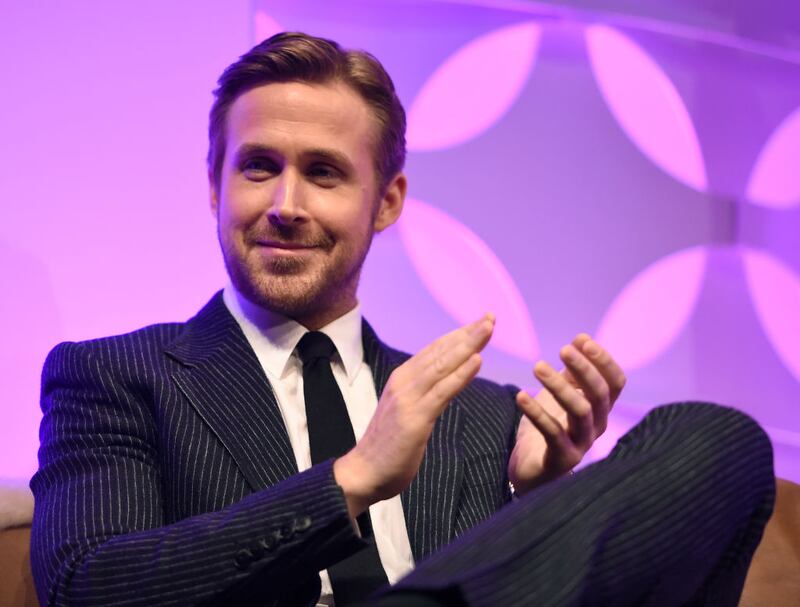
x=286, y=246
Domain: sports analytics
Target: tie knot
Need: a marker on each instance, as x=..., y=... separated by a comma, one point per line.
x=315, y=345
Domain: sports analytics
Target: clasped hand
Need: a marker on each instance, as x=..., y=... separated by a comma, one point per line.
x=557, y=427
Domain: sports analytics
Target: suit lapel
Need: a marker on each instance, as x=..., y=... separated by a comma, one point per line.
x=224, y=381
x=429, y=502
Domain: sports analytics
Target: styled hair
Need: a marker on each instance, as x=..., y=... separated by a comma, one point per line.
x=297, y=57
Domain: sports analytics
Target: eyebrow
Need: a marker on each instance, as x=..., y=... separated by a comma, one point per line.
x=323, y=154
x=332, y=156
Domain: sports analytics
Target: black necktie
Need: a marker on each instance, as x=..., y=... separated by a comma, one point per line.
x=330, y=434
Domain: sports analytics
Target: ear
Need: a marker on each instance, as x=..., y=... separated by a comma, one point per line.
x=212, y=194
x=391, y=204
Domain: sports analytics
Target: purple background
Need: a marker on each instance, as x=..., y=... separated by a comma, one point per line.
x=633, y=172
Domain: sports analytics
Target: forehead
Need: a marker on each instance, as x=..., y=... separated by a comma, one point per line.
x=297, y=115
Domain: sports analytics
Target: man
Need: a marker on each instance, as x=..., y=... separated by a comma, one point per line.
x=233, y=458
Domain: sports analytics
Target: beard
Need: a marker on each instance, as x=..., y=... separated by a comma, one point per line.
x=295, y=287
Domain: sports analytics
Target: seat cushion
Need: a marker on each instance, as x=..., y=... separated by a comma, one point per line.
x=774, y=576
x=17, y=589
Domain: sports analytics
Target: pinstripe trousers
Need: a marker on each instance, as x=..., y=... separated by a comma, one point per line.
x=671, y=517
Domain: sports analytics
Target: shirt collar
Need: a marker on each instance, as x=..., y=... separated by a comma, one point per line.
x=274, y=337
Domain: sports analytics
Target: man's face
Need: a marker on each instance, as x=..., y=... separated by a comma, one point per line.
x=297, y=200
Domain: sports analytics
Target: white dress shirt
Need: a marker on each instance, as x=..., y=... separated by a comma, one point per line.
x=274, y=339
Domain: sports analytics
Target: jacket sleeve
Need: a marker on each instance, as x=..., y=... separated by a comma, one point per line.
x=99, y=535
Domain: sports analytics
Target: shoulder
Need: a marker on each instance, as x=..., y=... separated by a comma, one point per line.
x=142, y=344
x=153, y=338
x=109, y=364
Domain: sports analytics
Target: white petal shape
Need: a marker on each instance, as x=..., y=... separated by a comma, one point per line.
x=465, y=276
x=775, y=181
x=646, y=105
x=775, y=289
x=265, y=26
x=473, y=88
x=652, y=310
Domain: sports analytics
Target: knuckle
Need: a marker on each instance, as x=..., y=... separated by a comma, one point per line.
x=582, y=408
x=564, y=443
x=581, y=362
x=604, y=394
x=391, y=385
x=393, y=391
x=439, y=365
x=557, y=384
x=439, y=394
x=535, y=412
x=397, y=376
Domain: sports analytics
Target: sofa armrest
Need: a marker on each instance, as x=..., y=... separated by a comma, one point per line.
x=774, y=576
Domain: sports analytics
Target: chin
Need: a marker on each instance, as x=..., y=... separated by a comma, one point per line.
x=296, y=296
x=289, y=295
x=295, y=288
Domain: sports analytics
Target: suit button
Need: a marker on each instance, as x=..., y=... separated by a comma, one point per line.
x=286, y=531
x=302, y=523
x=258, y=550
x=243, y=558
x=267, y=543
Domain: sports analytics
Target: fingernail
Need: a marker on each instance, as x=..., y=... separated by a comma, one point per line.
x=542, y=369
x=479, y=327
x=591, y=348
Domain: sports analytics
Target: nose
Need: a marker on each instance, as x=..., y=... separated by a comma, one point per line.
x=287, y=205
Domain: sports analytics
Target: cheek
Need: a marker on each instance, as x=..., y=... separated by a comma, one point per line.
x=232, y=231
x=354, y=217
x=238, y=210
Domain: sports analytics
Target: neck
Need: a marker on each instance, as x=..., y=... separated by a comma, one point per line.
x=313, y=321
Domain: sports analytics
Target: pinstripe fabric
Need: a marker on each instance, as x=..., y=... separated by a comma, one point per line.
x=671, y=517
x=462, y=479
x=167, y=478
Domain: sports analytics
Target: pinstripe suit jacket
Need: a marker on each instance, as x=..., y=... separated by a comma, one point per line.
x=166, y=475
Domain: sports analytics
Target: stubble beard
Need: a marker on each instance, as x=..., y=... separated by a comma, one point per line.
x=297, y=288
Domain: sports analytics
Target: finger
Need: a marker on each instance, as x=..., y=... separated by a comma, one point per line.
x=578, y=342
x=578, y=409
x=465, y=332
x=553, y=432
x=448, y=387
x=590, y=382
x=605, y=364
x=580, y=339
x=448, y=353
x=472, y=333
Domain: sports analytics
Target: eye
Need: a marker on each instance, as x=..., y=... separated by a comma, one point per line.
x=259, y=168
x=324, y=174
